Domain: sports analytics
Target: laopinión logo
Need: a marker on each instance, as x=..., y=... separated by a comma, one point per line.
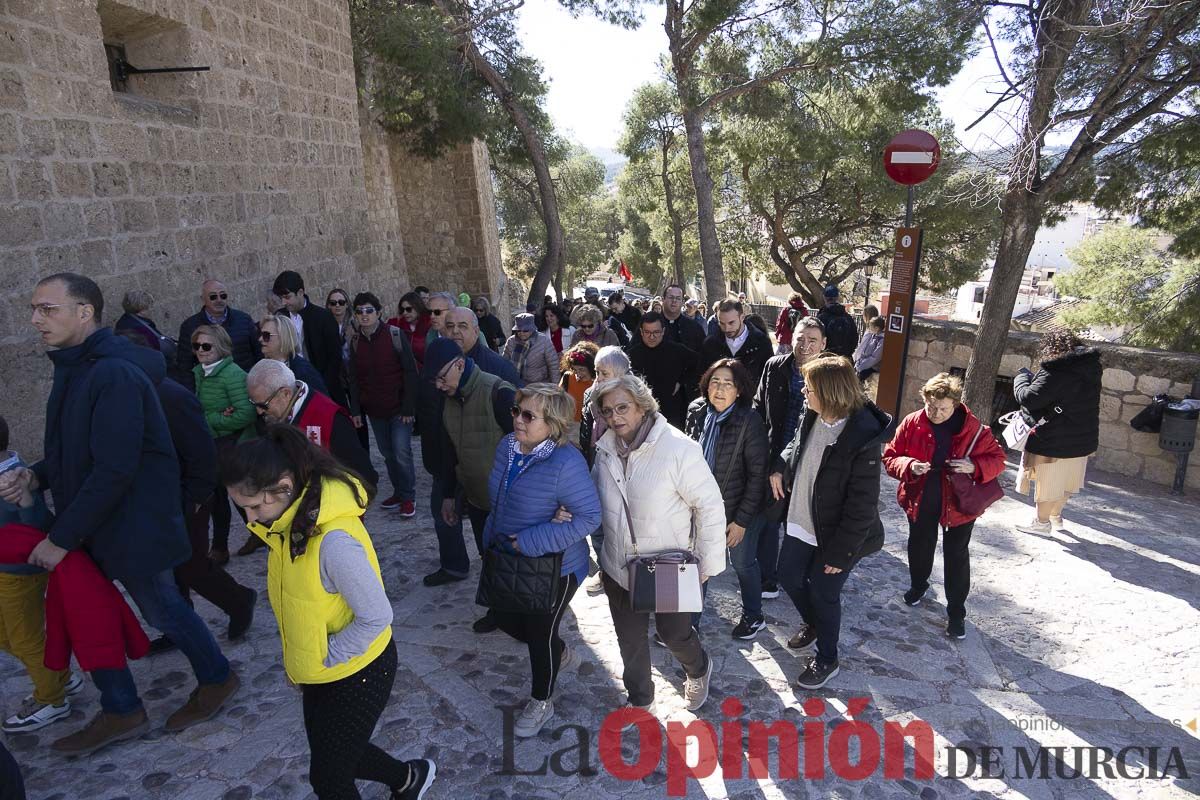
x=693, y=751
x=741, y=749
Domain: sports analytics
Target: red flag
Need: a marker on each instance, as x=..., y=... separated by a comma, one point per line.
x=624, y=272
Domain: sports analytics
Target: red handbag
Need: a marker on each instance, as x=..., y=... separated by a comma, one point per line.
x=970, y=497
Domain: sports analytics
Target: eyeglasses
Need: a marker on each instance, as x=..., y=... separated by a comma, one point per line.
x=619, y=410
x=528, y=416
x=806, y=389
x=407, y=309
x=46, y=309
x=651, y=334
x=265, y=336
x=215, y=295
x=266, y=403
x=442, y=376
x=336, y=303
x=365, y=311
x=205, y=346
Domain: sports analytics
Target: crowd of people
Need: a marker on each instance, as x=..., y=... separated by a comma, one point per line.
x=593, y=434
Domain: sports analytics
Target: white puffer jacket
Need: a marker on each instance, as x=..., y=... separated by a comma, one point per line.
x=670, y=489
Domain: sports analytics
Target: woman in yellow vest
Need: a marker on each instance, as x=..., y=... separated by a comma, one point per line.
x=334, y=616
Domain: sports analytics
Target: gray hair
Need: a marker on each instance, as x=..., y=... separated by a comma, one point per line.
x=614, y=358
x=271, y=375
x=289, y=343
x=637, y=388
x=222, y=344
x=587, y=313
x=136, y=301
x=449, y=298
x=483, y=301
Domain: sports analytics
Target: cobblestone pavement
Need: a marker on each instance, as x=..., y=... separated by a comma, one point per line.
x=1087, y=638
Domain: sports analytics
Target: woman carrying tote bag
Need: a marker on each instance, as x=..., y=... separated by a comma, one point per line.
x=536, y=473
x=931, y=445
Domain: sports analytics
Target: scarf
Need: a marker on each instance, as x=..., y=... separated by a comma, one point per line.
x=712, y=432
x=639, y=438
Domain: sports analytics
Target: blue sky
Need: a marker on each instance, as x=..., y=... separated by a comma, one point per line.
x=594, y=68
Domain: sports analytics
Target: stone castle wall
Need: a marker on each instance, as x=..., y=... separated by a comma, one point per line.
x=1132, y=376
x=261, y=164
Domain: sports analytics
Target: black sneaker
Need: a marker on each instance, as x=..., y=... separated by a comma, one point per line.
x=803, y=638
x=956, y=629
x=817, y=674
x=239, y=623
x=421, y=772
x=485, y=624
x=749, y=627
x=441, y=578
x=770, y=590
x=162, y=644
x=914, y=596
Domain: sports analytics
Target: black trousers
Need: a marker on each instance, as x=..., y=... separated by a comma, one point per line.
x=816, y=594
x=478, y=519
x=222, y=515
x=956, y=559
x=339, y=718
x=540, y=633
x=633, y=639
x=201, y=575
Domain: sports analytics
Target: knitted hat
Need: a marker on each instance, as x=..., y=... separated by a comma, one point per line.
x=438, y=354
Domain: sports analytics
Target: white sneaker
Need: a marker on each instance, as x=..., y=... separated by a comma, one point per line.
x=695, y=690
x=34, y=715
x=594, y=585
x=533, y=717
x=74, y=684
x=1057, y=524
x=1033, y=527
x=650, y=708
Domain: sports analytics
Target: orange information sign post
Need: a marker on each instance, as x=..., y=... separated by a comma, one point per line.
x=897, y=317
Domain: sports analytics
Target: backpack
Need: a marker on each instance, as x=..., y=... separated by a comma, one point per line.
x=841, y=335
x=794, y=315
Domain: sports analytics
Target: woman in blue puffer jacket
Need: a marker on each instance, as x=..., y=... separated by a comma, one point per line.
x=538, y=479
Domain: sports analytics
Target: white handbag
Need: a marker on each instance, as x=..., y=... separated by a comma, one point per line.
x=1017, y=430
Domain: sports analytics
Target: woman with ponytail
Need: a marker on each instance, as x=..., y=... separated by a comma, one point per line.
x=327, y=593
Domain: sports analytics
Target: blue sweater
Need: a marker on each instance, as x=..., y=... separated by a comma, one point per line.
x=526, y=505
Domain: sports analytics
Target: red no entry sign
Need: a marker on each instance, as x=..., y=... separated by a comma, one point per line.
x=911, y=157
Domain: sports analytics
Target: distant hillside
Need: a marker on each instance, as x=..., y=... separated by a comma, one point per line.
x=613, y=162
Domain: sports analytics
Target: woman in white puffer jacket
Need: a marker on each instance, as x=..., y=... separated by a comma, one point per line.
x=671, y=492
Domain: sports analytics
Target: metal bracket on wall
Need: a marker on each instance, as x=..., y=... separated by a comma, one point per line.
x=119, y=68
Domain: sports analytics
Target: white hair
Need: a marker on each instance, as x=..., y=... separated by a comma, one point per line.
x=449, y=298
x=271, y=375
x=643, y=398
x=614, y=358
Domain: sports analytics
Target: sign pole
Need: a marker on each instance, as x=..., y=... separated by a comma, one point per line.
x=910, y=158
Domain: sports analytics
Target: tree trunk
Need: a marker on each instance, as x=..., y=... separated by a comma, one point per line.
x=676, y=222
x=715, y=286
x=1018, y=228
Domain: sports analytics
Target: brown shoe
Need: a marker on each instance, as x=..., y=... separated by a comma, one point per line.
x=252, y=543
x=103, y=730
x=203, y=704
x=218, y=557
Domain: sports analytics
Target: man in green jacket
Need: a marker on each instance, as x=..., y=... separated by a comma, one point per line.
x=477, y=415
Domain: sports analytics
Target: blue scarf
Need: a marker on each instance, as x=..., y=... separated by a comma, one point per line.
x=712, y=432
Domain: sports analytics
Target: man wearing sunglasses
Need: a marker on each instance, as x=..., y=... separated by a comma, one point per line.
x=476, y=415
x=215, y=310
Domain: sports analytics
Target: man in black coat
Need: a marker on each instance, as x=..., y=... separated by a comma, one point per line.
x=737, y=340
x=841, y=331
x=320, y=338
x=214, y=298
x=625, y=313
x=668, y=368
x=678, y=326
x=112, y=470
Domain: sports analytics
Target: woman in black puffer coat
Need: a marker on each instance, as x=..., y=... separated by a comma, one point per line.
x=734, y=441
x=1065, y=392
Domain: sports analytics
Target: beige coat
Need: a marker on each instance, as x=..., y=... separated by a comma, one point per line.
x=670, y=490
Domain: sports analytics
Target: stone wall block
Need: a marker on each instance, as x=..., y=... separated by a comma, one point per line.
x=1118, y=380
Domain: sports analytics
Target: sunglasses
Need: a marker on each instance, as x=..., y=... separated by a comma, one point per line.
x=266, y=403
x=205, y=346
x=527, y=416
x=365, y=311
x=222, y=295
x=588, y=327
x=265, y=336
x=437, y=312
x=481, y=311
x=336, y=303
x=406, y=309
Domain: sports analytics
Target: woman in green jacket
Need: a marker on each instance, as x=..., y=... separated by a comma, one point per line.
x=221, y=387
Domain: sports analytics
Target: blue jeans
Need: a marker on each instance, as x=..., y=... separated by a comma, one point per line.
x=744, y=559
x=394, y=439
x=452, y=550
x=163, y=607
x=816, y=595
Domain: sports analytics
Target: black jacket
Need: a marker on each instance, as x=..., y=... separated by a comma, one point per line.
x=753, y=353
x=685, y=331
x=242, y=332
x=1071, y=383
x=741, y=469
x=631, y=318
x=845, y=499
x=109, y=461
x=492, y=332
x=323, y=347
x=669, y=370
x=194, y=444
x=841, y=332
x=772, y=398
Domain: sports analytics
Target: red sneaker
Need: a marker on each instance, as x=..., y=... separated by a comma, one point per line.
x=408, y=508
x=391, y=503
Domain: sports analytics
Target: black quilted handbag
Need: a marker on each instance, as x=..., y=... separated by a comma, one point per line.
x=519, y=584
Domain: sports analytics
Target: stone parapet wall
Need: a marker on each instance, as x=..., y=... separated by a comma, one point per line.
x=1132, y=375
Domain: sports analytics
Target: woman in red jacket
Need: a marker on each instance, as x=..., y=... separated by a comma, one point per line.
x=929, y=445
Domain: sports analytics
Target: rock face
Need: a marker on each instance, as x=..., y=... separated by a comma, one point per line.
x=266, y=162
